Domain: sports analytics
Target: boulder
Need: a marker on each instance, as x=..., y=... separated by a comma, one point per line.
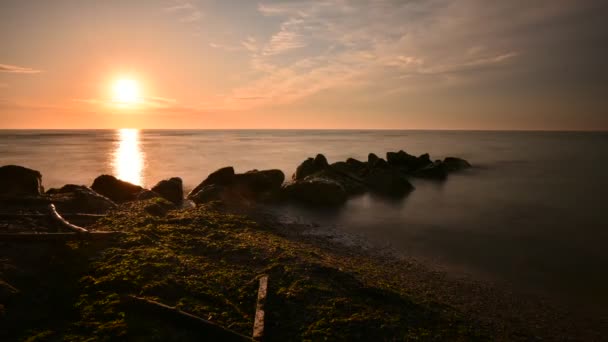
x=407, y=162
x=170, y=189
x=72, y=198
x=20, y=181
x=388, y=182
x=159, y=207
x=452, y=164
x=257, y=182
x=375, y=162
x=435, y=171
x=206, y=194
x=315, y=191
x=310, y=166
x=146, y=194
x=115, y=189
x=223, y=176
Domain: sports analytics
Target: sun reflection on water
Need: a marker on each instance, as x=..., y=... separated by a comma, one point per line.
x=128, y=157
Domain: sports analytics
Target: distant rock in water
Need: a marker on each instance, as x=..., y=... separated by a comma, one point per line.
x=170, y=189
x=223, y=176
x=115, y=189
x=73, y=198
x=435, y=171
x=388, y=182
x=20, y=181
x=455, y=164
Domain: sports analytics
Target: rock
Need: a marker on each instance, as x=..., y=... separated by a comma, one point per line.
x=20, y=181
x=206, y=194
x=170, y=189
x=375, y=162
x=223, y=176
x=388, y=182
x=73, y=198
x=407, y=162
x=258, y=181
x=159, y=207
x=310, y=166
x=316, y=191
x=436, y=171
x=340, y=173
x=146, y=194
x=452, y=164
x=115, y=189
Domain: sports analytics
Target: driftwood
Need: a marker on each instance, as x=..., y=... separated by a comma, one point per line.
x=63, y=223
x=258, y=324
x=48, y=237
x=212, y=331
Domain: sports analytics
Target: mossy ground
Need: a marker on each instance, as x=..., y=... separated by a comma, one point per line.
x=207, y=261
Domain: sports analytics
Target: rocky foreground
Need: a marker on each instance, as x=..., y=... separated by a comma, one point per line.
x=206, y=260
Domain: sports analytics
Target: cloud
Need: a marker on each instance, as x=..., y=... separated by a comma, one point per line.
x=17, y=69
x=188, y=12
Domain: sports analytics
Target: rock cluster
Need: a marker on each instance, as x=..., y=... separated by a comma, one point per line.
x=315, y=182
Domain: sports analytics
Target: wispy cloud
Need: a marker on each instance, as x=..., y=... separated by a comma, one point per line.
x=187, y=11
x=18, y=69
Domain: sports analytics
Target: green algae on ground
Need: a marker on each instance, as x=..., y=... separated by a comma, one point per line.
x=206, y=261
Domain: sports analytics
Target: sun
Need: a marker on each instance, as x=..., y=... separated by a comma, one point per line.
x=126, y=91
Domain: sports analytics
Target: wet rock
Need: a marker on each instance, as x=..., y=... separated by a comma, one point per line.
x=315, y=191
x=20, y=181
x=435, y=171
x=223, y=176
x=407, y=162
x=146, y=194
x=310, y=166
x=375, y=162
x=453, y=164
x=170, y=189
x=258, y=185
x=115, y=189
x=388, y=182
x=72, y=198
x=207, y=194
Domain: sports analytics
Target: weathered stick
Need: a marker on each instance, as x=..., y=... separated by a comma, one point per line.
x=65, y=224
x=213, y=331
x=258, y=324
x=44, y=237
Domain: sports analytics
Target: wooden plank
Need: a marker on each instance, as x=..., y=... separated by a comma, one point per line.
x=48, y=237
x=63, y=223
x=211, y=330
x=258, y=324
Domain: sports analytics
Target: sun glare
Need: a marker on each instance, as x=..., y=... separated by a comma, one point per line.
x=126, y=91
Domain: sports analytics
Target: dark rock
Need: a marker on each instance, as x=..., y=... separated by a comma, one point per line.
x=223, y=176
x=170, y=189
x=146, y=194
x=315, y=191
x=206, y=194
x=375, y=162
x=159, y=207
x=355, y=164
x=310, y=166
x=73, y=198
x=452, y=164
x=20, y=181
x=435, y=171
x=407, y=162
x=115, y=189
x=388, y=182
x=340, y=173
x=261, y=181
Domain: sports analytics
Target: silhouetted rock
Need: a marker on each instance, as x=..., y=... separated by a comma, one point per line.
x=146, y=194
x=20, y=181
x=455, y=164
x=223, y=176
x=407, y=162
x=170, y=189
x=315, y=191
x=375, y=162
x=310, y=166
x=388, y=182
x=115, y=189
x=206, y=194
x=435, y=171
x=261, y=181
x=159, y=207
x=72, y=198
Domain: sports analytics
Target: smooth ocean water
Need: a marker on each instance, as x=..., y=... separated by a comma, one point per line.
x=531, y=215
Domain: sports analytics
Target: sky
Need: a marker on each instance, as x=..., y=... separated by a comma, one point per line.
x=327, y=64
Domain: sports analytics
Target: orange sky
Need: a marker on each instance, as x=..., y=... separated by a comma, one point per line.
x=440, y=64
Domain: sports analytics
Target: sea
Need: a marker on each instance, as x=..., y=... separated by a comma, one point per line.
x=531, y=215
